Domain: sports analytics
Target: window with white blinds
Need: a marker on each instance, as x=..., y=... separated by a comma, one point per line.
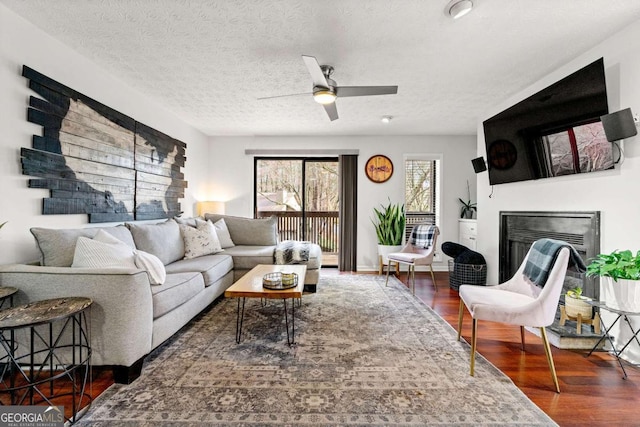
x=422, y=189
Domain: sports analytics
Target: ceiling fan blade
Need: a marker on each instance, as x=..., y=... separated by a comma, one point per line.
x=343, y=91
x=282, y=96
x=316, y=72
x=331, y=110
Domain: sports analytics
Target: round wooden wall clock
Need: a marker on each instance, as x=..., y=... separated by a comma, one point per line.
x=379, y=168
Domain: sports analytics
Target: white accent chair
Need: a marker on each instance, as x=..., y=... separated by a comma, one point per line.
x=517, y=302
x=412, y=255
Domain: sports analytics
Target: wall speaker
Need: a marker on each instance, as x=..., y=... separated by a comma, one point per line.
x=479, y=165
x=619, y=125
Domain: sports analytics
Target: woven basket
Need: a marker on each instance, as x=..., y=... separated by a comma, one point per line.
x=575, y=306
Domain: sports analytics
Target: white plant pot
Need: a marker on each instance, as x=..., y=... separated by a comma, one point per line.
x=385, y=250
x=621, y=295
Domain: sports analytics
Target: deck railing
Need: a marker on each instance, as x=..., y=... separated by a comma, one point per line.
x=321, y=227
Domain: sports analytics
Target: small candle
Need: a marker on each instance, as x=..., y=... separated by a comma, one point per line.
x=288, y=278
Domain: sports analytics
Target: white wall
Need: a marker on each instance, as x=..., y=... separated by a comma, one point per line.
x=232, y=177
x=614, y=193
x=23, y=44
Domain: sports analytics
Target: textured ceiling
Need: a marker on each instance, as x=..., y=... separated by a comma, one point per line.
x=209, y=61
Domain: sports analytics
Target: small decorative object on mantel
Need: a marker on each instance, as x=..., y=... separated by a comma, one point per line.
x=621, y=271
x=378, y=168
x=579, y=309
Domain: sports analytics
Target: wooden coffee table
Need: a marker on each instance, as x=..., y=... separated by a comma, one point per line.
x=250, y=286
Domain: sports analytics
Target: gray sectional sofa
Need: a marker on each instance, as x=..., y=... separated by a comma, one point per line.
x=130, y=316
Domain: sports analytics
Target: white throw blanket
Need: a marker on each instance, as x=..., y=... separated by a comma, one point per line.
x=292, y=252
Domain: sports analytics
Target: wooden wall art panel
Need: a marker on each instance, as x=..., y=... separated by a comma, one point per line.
x=98, y=161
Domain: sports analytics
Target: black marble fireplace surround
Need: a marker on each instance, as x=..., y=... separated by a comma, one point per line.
x=518, y=231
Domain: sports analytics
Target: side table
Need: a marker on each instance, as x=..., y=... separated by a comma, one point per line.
x=58, y=348
x=621, y=314
x=7, y=293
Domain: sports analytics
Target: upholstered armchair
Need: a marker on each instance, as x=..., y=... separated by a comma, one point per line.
x=420, y=250
x=519, y=301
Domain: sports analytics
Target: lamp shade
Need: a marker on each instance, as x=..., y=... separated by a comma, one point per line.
x=213, y=207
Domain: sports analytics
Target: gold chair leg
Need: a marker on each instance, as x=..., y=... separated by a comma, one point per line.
x=433, y=278
x=522, y=336
x=412, y=269
x=474, y=330
x=388, y=269
x=547, y=350
x=460, y=314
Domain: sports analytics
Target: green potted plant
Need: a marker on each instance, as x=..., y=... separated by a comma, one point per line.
x=621, y=271
x=467, y=207
x=575, y=303
x=389, y=225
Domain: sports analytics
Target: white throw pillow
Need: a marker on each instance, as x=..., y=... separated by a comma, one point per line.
x=106, y=251
x=200, y=241
x=104, y=237
x=93, y=253
x=152, y=265
x=223, y=234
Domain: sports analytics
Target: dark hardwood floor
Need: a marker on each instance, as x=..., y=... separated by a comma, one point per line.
x=592, y=389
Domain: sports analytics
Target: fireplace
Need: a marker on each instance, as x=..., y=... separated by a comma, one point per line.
x=518, y=231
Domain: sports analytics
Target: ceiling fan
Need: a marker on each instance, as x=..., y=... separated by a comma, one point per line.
x=326, y=90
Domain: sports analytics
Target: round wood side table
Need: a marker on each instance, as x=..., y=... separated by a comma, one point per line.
x=46, y=341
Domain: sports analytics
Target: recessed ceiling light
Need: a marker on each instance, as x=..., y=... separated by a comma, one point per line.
x=458, y=8
x=386, y=119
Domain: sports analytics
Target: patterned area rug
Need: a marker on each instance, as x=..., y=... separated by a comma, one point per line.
x=366, y=355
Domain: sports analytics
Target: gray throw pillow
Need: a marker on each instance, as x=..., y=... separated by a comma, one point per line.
x=190, y=221
x=162, y=240
x=249, y=231
x=57, y=246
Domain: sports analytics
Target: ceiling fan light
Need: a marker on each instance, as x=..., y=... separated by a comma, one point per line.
x=458, y=8
x=324, y=97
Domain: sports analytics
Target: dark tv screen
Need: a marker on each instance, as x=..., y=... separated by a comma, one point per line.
x=554, y=132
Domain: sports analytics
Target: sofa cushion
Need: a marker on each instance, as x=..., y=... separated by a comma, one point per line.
x=162, y=240
x=247, y=257
x=200, y=240
x=57, y=246
x=212, y=267
x=177, y=289
x=249, y=231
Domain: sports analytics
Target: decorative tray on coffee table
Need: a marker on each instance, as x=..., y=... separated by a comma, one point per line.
x=280, y=280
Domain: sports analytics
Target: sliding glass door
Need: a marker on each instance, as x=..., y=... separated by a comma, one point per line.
x=303, y=194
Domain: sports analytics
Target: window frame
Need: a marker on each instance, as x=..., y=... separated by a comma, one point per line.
x=438, y=158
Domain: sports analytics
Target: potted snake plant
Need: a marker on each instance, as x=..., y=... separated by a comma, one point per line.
x=389, y=225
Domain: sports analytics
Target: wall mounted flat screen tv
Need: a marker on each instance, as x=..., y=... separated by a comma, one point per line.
x=555, y=132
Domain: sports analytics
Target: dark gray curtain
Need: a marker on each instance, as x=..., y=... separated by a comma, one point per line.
x=348, y=166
